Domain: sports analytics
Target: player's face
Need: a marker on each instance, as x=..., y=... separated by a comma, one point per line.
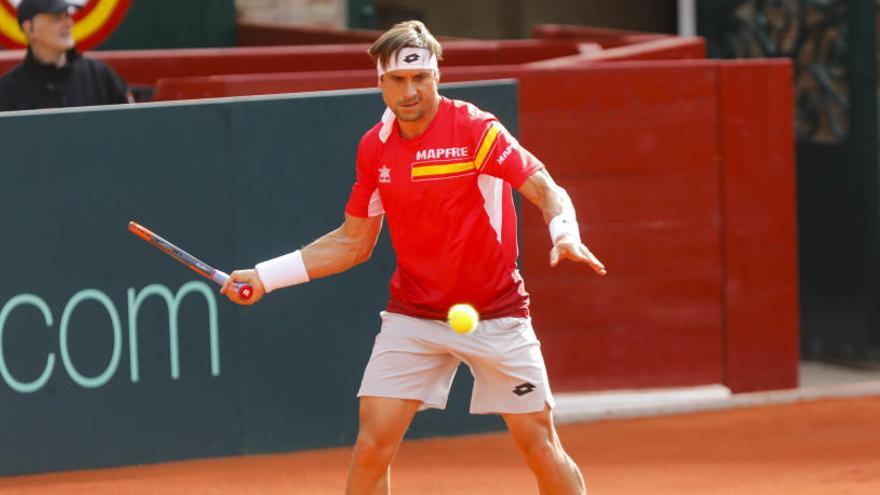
x=410, y=94
x=50, y=31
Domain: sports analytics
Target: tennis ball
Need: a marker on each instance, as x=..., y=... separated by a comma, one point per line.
x=463, y=318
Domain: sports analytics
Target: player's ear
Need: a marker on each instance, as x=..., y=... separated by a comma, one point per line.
x=28, y=26
x=437, y=75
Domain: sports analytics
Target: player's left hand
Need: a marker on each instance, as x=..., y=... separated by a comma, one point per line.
x=567, y=247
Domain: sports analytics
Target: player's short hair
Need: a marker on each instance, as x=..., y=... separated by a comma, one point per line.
x=405, y=34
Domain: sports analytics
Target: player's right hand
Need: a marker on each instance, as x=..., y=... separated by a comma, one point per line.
x=249, y=277
x=573, y=249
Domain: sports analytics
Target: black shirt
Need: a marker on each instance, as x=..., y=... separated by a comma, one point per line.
x=81, y=81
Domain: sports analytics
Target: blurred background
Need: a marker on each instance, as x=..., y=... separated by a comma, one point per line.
x=723, y=153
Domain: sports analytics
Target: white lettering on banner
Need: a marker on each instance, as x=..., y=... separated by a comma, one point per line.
x=14, y=384
x=441, y=153
x=75, y=375
x=135, y=300
x=134, y=305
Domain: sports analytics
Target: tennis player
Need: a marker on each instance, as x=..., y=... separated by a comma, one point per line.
x=441, y=172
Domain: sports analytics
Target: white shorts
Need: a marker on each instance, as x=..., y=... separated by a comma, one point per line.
x=416, y=358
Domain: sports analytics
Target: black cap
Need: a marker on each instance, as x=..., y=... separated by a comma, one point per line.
x=27, y=9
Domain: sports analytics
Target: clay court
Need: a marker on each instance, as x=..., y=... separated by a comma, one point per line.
x=809, y=448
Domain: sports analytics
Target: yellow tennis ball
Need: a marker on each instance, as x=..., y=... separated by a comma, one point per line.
x=463, y=318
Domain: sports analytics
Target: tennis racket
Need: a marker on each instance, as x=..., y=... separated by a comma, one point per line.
x=245, y=291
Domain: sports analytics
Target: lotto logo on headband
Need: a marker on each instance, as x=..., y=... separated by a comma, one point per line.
x=409, y=58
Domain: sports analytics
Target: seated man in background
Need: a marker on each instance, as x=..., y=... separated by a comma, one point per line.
x=53, y=73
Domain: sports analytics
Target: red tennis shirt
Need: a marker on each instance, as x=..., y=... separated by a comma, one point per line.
x=446, y=196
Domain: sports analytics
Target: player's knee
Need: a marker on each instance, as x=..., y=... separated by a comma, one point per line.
x=370, y=450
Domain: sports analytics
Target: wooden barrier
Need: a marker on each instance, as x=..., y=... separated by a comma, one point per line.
x=145, y=67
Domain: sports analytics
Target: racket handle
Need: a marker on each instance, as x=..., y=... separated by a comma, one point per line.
x=245, y=291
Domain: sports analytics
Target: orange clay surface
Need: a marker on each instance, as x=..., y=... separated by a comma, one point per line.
x=823, y=447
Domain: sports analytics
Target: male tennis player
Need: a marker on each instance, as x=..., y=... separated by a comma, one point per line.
x=441, y=172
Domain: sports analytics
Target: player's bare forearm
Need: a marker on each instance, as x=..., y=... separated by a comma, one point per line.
x=349, y=245
x=543, y=192
x=552, y=200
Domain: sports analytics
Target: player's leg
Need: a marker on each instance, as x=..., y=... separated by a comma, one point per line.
x=383, y=422
x=510, y=379
x=536, y=438
x=407, y=371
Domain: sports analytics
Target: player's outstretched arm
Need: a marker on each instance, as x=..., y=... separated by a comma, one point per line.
x=559, y=214
x=347, y=246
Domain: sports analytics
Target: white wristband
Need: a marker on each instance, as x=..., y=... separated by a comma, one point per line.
x=283, y=271
x=562, y=224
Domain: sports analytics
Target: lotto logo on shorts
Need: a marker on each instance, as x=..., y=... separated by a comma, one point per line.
x=523, y=389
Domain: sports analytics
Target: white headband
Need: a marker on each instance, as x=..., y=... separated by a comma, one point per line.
x=409, y=58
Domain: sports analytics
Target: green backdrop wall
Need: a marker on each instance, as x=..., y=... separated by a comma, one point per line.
x=174, y=24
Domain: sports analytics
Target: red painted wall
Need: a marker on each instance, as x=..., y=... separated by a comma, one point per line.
x=637, y=152
x=760, y=240
x=659, y=49
x=608, y=38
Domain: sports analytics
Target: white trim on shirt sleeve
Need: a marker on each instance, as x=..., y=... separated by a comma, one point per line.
x=376, y=207
x=492, y=189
